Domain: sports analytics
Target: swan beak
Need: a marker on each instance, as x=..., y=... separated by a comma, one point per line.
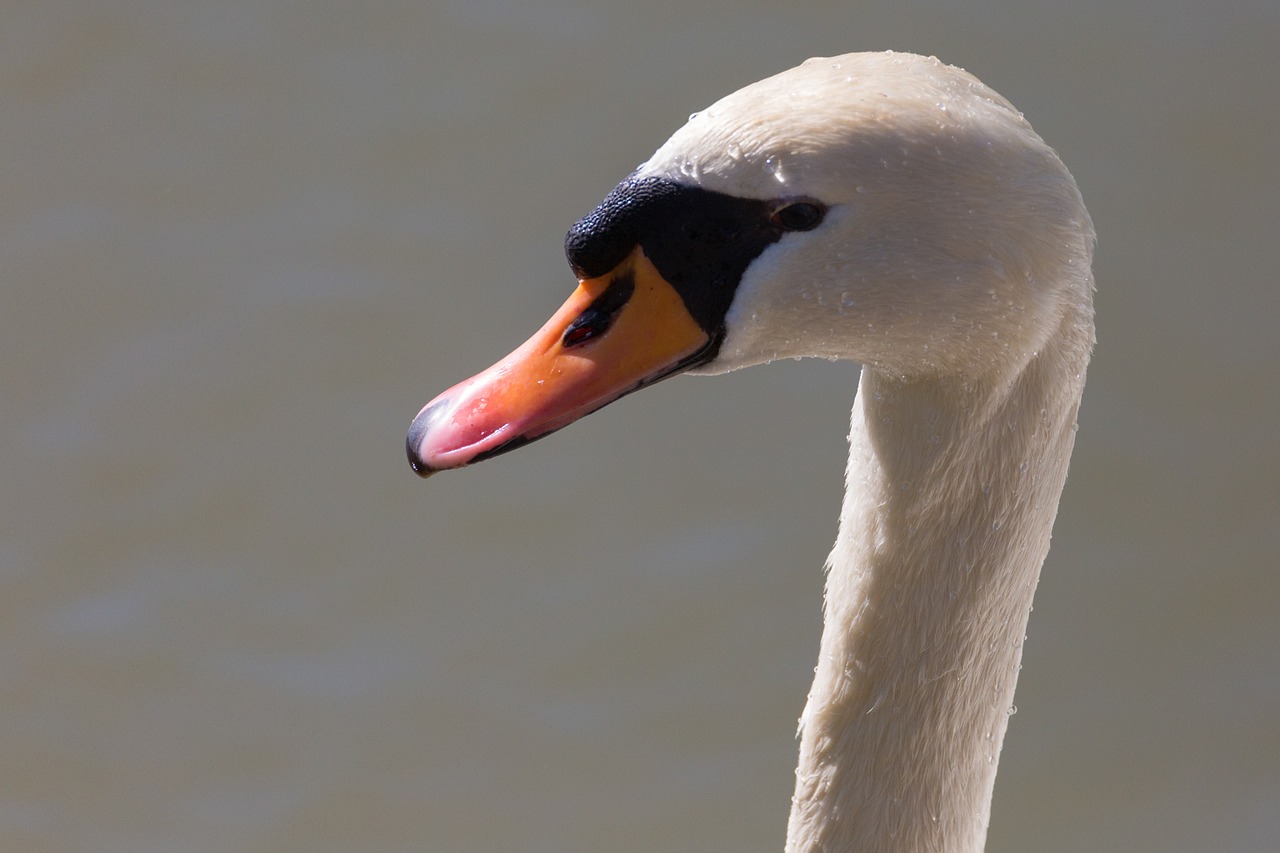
x=616, y=334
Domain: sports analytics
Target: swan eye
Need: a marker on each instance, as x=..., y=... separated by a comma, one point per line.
x=799, y=216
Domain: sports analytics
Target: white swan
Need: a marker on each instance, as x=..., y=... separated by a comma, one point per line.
x=892, y=210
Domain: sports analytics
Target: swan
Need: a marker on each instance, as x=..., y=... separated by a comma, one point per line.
x=894, y=211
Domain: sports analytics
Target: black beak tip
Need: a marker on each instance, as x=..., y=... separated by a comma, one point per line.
x=419, y=467
x=417, y=430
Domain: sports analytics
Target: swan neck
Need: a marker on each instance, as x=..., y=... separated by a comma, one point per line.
x=952, y=488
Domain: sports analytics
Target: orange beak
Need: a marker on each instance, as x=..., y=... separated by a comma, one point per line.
x=616, y=334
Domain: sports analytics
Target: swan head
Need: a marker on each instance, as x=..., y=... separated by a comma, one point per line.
x=883, y=208
x=950, y=233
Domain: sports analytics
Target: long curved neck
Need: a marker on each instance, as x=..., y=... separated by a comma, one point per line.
x=952, y=488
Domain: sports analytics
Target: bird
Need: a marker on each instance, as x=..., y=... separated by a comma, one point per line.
x=891, y=210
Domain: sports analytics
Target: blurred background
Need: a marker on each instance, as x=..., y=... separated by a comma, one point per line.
x=242, y=243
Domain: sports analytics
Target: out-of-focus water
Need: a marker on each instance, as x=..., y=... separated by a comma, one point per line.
x=241, y=243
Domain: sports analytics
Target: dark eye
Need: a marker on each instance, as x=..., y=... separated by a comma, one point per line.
x=799, y=216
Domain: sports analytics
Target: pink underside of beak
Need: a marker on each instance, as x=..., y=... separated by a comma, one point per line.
x=532, y=391
x=483, y=413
